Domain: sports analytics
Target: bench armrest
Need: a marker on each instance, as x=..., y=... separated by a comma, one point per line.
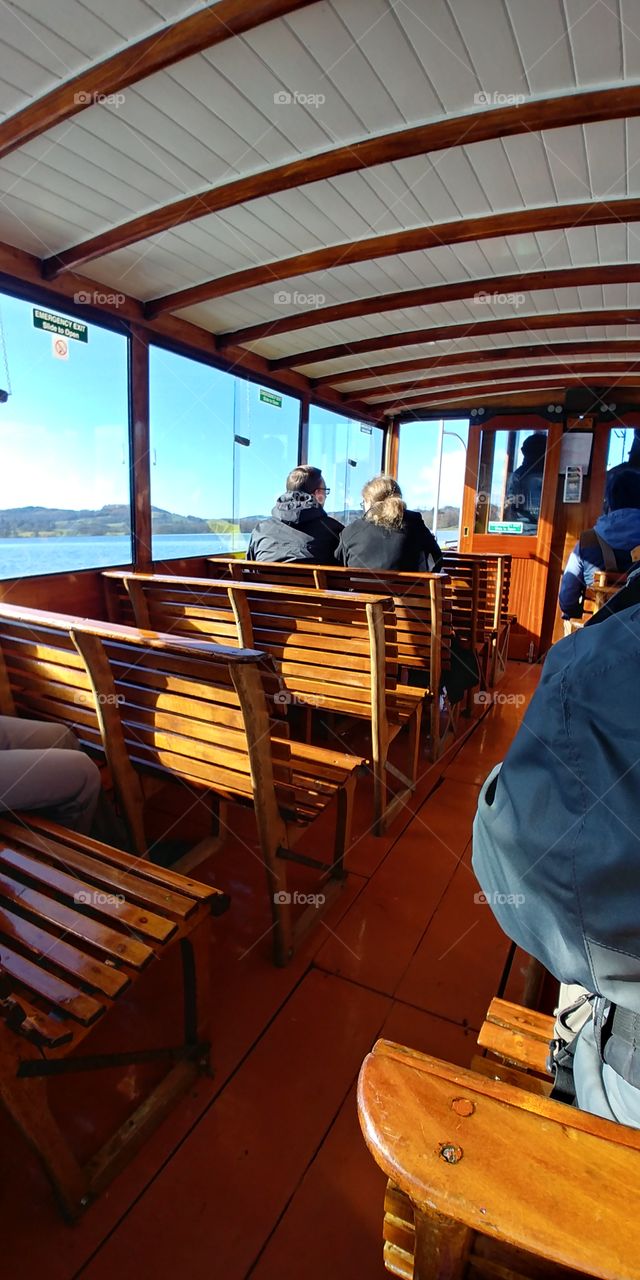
x=509, y=1164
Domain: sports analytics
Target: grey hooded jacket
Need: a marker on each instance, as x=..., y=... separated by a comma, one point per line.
x=556, y=845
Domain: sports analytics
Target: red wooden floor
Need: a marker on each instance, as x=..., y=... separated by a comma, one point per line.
x=262, y=1170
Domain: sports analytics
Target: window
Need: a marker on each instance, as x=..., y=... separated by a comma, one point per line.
x=510, y=476
x=348, y=453
x=621, y=441
x=221, y=449
x=429, y=479
x=64, y=440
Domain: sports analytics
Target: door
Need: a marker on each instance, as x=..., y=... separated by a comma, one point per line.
x=509, y=500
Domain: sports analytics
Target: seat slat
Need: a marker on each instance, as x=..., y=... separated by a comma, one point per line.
x=117, y=946
x=144, y=922
x=38, y=942
x=65, y=997
x=105, y=873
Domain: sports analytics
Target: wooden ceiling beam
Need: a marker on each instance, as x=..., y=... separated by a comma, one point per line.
x=546, y=390
x=468, y=329
x=516, y=283
x=435, y=235
x=419, y=385
x=201, y=30
x=401, y=144
x=484, y=355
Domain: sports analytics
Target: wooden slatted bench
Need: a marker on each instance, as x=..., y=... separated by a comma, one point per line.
x=330, y=654
x=488, y=577
x=487, y=1175
x=161, y=706
x=421, y=637
x=80, y=923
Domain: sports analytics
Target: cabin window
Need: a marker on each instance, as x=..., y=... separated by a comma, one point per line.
x=64, y=442
x=510, y=475
x=431, y=467
x=349, y=453
x=221, y=450
x=621, y=442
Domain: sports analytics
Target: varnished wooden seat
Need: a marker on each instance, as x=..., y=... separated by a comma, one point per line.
x=80, y=923
x=418, y=632
x=331, y=654
x=480, y=585
x=487, y=1175
x=162, y=706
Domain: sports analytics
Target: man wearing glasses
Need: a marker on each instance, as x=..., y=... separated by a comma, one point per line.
x=298, y=528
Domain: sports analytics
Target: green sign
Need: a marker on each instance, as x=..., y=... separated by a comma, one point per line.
x=506, y=526
x=270, y=397
x=57, y=324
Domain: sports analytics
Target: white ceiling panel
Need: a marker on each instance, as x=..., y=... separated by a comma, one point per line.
x=43, y=44
x=596, y=44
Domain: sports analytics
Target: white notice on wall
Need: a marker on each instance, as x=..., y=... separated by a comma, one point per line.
x=575, y=450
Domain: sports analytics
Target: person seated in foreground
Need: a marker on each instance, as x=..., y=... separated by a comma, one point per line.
x=388, y=536
x=298, y=529
x=608, y=545
x=43, y=768
x=556, y=849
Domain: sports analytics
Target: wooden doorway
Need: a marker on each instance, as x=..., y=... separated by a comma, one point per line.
x=508, y=506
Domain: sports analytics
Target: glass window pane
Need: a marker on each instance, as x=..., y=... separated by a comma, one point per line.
x=510, y=476
x=621, y=442
x=64, y=440
x=349, y=453
x=267, y=425
x=221, y=449
x=418, y=473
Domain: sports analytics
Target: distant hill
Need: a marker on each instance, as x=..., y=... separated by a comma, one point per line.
x=58, y=522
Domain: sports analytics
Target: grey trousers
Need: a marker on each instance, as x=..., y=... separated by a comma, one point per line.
x=42, y=767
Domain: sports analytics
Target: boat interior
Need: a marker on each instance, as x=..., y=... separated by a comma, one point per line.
x=370, y=237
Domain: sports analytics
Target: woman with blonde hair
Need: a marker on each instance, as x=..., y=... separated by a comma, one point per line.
x=387, y=535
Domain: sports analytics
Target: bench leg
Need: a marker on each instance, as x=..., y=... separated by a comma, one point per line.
x=442, y=1247
x=344, y=816
x=27, y=1102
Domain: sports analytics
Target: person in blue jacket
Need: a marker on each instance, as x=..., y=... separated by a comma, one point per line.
x=608, y=545
x=556, y=849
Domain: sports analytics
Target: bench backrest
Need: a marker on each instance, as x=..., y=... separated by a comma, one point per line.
x=177, y=707
x=491, y=577
x=328, y=651
x=421, y=600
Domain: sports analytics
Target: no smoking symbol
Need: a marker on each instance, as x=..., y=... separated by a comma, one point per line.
x=60, y=347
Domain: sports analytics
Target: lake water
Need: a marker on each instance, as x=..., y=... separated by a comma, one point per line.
x=26, y=557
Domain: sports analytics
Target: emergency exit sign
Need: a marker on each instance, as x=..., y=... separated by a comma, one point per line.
x=505, y=526
x=270, y=397
x=59, y=324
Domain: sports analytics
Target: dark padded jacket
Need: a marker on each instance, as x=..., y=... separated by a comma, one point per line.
x=299, y=529
x=556, y=846
x=410, y=549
